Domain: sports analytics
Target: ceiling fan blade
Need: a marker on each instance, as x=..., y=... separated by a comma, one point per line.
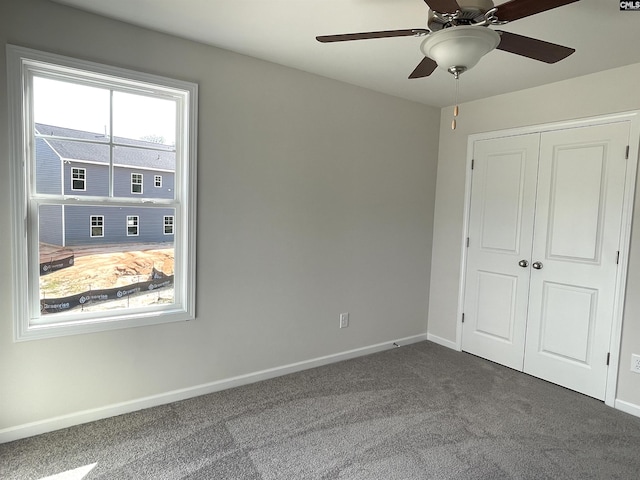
x=443, y=6
x=424, y=68
x=533, y=48
x=366, y=35
x=515, y=9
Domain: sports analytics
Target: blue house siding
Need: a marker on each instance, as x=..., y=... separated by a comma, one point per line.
x=122, y=183
x=167, y=190
x=47, y=169
x=150, y=224
x=56, y=159
x=50, y=224
x=96, y=179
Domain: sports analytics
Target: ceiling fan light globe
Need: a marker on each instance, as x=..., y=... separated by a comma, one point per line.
x=461, y=46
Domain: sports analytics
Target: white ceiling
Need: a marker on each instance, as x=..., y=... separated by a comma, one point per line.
x=284, y=31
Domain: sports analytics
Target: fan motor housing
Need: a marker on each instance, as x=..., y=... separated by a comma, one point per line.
x=471, y=12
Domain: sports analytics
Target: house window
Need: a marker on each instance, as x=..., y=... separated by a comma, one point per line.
x=132, y=225
x=136, y=183
x=97, y=226
x=123, y=123
x=168, y=225
x=78, y=178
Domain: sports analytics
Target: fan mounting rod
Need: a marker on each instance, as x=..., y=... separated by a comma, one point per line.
x=469, y=12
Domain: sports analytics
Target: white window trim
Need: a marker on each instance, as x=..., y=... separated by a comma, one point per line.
x=84, y=180
x=141, y=183
x=137, y=225
x=91, y=217
x=20, y=62
x=157, y=181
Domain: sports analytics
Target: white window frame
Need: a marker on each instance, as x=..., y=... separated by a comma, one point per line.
x=135, y=176
x=165, y=224
x=83, y=179
x=22, y=65
x=100, y=219
x=136, y=224
x=157, y=181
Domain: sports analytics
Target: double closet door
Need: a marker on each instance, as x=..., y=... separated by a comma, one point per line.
x=542, y=260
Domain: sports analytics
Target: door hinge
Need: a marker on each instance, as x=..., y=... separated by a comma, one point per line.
x=618, y=257
x=463, y=318
x=473, y=162
x=626, y=155
x=467, y=242
x=608, y=357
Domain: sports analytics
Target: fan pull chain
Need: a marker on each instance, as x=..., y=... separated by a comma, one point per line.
x=456, y=108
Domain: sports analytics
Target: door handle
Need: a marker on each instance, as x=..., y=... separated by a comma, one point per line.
x=537, y=265
x=523, y=263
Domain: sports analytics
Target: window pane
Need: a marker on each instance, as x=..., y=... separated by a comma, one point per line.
x=78, y=178
x=132, y=225
x=97, y=226
x=137, y=117
x=168, y=225
x=76, y=143
x=56, y=160
x=70, y=109
x=136, y=183
x=80, y=272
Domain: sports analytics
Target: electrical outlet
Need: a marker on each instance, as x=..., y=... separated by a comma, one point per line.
x=344, y=320
x=635, y=363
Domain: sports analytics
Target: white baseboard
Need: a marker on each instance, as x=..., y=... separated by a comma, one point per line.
x=43, y=426
x=627, y=407
x=442, y=341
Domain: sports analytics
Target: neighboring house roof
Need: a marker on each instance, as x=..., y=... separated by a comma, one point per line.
x=162, y=157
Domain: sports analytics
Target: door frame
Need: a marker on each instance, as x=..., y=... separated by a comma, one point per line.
x=633, y=118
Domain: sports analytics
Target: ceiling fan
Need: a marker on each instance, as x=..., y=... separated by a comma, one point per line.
x=457, y=35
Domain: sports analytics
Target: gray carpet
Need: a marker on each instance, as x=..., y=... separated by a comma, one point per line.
x=416, y=412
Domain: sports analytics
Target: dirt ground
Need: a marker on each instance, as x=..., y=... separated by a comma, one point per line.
x=102, y=267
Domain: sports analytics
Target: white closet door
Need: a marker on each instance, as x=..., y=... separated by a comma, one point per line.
x=577, y=233
x=500, y=236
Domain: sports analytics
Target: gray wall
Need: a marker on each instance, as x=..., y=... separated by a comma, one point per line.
x=598, y=94
x=315, y=198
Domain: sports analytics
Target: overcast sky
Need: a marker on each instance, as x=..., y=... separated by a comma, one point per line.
x=87, y=108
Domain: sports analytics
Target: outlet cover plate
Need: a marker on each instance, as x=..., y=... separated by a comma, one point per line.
x=344, y=320
x=635, y=363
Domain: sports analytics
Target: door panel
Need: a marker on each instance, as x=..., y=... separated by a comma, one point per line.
x=495, y=312
x=577, y=232
x=500, y=235
x=567, y=312
x=501, y=210
x=577, y=185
